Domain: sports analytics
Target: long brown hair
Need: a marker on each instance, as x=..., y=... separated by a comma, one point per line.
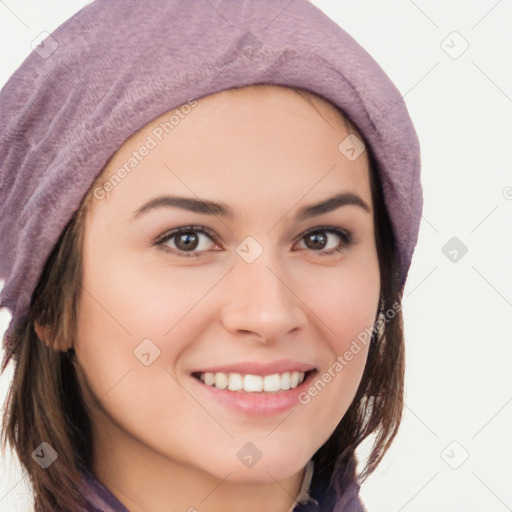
x=45, y=403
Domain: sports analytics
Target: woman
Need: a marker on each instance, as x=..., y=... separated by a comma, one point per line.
x=211, y=215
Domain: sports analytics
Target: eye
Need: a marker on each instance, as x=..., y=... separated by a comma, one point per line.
x=189, y=241
x=323, y=240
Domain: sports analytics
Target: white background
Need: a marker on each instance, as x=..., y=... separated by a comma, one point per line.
x=458, y=315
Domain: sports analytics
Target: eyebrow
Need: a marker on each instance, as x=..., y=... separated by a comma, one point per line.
x=206, y=207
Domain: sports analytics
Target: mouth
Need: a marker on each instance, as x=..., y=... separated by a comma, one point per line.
x=250, y=394
x=251, y=383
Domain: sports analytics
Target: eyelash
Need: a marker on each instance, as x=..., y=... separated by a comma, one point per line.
x=344, y=235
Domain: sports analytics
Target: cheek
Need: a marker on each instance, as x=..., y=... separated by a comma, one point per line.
x=346, y=300
x=136, y=295
x=130, y=307
x=112, y=368
x=103, y=343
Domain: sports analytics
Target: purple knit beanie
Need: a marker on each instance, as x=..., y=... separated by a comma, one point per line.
x=116, y=65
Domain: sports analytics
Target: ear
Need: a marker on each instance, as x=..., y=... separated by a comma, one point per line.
x=45, y=336
x=43, y=333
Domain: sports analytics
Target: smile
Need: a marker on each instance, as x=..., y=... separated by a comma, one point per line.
x=252, y=383
x=255, y=395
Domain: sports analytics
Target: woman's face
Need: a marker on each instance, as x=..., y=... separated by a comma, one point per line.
x=275, y=278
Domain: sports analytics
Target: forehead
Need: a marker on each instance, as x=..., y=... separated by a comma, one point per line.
x=303, y=104
x=262, y=141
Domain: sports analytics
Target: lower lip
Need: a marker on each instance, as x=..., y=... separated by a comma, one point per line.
x=258, y=404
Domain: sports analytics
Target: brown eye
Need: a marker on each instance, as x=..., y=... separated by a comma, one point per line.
x=188, y=241
x=327, y=241
x=316, y=240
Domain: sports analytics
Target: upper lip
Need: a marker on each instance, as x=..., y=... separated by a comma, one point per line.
x=259, y=368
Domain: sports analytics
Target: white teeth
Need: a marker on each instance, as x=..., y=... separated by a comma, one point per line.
x=253, y=383
x=221, y=380
x=272, y=382
x=209, y=378
x=235, y=382
x=285, y=381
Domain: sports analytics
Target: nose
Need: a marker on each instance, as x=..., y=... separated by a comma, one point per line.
x=261, y=302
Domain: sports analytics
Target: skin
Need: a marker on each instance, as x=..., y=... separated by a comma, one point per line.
x=159, y=442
